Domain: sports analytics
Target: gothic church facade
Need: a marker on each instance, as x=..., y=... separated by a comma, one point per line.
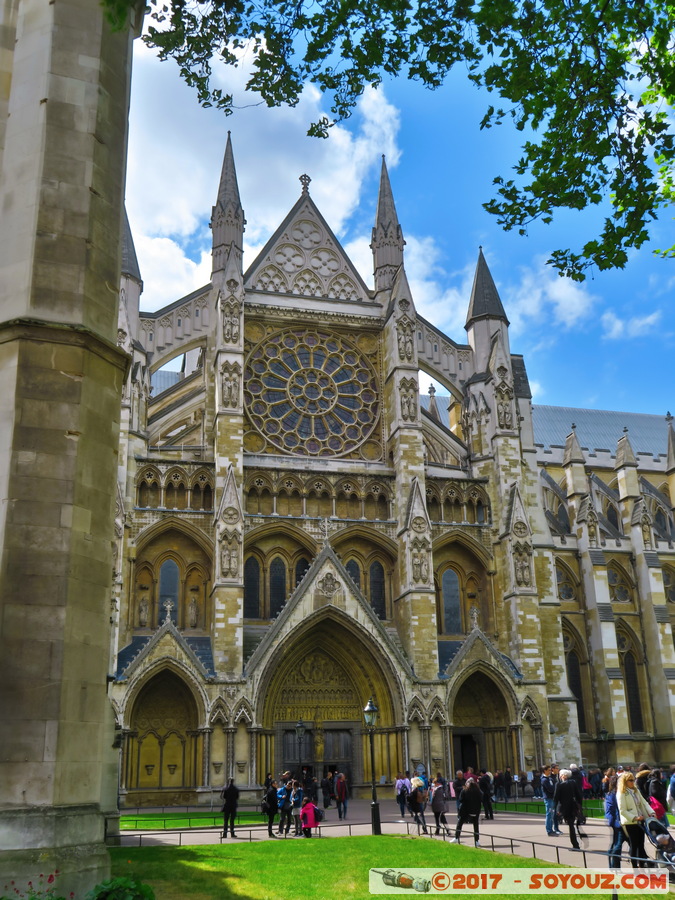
x=296, y=532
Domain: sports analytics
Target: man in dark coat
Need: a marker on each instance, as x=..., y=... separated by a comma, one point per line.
x=230, y=796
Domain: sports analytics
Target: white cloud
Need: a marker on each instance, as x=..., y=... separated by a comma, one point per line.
x=637, y=326
x=541, y=294
x=167, y=273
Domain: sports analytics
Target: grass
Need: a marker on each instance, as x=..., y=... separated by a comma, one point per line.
x=152, y=821
x=319, y=869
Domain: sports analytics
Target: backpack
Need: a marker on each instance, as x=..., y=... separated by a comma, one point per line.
x=319, y=814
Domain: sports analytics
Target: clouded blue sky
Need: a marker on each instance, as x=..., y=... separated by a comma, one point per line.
x=607, y=343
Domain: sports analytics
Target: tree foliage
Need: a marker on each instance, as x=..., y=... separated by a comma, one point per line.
x=589, y=82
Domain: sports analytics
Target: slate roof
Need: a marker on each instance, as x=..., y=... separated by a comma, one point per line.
x=600, y=429
x=129, y=260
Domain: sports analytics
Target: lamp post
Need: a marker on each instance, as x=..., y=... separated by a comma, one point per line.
x=603, y=734
x=370, y=717
x=300, y=733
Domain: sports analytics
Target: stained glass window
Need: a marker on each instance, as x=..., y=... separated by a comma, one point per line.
x=632, y=686
x=300, y=568
x=252, y=588
x=277, y=586
x=168, y=590
x=311, y=398
x=452, y=613
x=377, y=598
x=574, y=681
x=354, y=572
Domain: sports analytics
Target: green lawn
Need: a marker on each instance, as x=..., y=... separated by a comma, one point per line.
x=318, y=869
x=150, y=821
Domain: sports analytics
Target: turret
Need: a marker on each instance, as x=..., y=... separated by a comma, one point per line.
x=387, y=239
x=486, y=315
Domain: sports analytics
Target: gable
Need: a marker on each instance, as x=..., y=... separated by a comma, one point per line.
x=304, y=258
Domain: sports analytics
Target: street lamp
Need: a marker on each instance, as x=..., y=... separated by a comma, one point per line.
x=370, y=716
x=300, y=733
x=603, y=734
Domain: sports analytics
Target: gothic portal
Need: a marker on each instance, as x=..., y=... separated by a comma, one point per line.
x=299, y=530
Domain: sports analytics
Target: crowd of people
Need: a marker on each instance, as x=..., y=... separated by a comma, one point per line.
x=631, y=798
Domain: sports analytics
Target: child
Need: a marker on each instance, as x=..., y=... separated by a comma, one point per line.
x=308, y=817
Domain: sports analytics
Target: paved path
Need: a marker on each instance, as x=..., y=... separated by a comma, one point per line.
x=520, y=833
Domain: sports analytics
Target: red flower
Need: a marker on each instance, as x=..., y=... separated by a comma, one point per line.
x=50, y=880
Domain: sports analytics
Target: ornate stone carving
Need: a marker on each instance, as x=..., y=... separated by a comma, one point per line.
x=329, y=585
x=229, y=385
x=231, y=317
x=522, y=564
x=419, y=561
x=143, y=608
x=408, y=394
x=405, y=334
x=229, y=554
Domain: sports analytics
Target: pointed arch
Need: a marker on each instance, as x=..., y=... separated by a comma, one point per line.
x=416, y=712
x=182, y=525
x=243, y=712
x=177, y=667
x=219, y=713
x=437, y=712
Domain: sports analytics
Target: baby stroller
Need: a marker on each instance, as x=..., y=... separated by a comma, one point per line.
x=664, y=845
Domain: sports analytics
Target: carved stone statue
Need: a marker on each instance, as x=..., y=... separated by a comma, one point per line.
x=504, y=414
x=424, y=565
x=416, y=566
x=143, y=609
x=193, y=612
x=647, y=534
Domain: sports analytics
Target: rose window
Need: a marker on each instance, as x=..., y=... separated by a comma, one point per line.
x=311, y=393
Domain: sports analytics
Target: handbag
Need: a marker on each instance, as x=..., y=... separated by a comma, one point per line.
x=657, y=806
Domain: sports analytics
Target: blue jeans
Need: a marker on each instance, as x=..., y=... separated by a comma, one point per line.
x=614, y=852
x=342, y=808
x=551, y=818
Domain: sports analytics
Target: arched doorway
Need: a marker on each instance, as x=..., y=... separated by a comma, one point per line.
x=480, y=725
x=162, y=754
x=325, y=676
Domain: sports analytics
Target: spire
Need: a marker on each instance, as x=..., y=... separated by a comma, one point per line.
x=624, y=453
x=227, y=218
x=485, y=302
x=670, y=460
x=573, y=451
x=387, y=239
x=433, y=407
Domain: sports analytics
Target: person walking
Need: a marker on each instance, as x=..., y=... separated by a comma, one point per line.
x=402, y=788
x=230, y=797
x=327, y=789
x=499, y=786
x=633, y=810
x=272, y=805
x=470, y=803
x=614, y=822
x=548, y=785
x=458, y=785
x=567, y=798
x=438, y=804
x=658, y=796
x=417, y=802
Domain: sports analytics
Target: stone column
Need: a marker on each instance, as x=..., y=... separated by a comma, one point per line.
x=61, y=189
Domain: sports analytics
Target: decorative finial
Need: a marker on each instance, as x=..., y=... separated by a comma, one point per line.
x=304, y=181
x=168, y=606
x=625, y=429
x=574, y=426
x=432, y=390
x=669, y=418
x=474, y=612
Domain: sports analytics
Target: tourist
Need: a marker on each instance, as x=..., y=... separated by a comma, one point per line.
x=642, y=779
x=341, y=795
x=327, y=789
x=272, y=805
x=633, y=810
x=417, y=802
x=438, y=804
x=499, y=786
x=297, y=796
x=508, y=781
x=285, y=805
x=308, y=817
x=402, y=788
x=536, y=785
x=485, y=784
x=230, y=797
x=567, y=798
x=614, y=822
x=458, y=785
x=548, y=786
x=658, y=796
x=470, y=803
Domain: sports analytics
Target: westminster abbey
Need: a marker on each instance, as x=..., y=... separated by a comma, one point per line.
x=298, y=530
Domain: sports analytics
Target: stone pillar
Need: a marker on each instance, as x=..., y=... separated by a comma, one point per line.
x=61, y=188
